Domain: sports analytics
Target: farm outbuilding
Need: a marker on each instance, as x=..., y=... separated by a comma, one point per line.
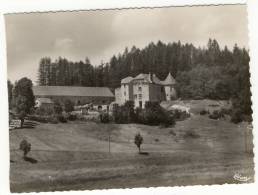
x=78, y=95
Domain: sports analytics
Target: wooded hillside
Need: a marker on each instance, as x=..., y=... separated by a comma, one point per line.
x=211, y=72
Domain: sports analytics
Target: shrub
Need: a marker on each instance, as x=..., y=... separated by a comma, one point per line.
x=125, y=113
x=68, y=106
x=204, y=112
x=236, y=116
x=57, y=108
x=72, y=117
x=104, y=118
x=62, y=119
x=216, y=115
x=25, y=146
x=154, y=114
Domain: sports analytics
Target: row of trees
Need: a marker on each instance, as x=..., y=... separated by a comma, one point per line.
x=211, y=72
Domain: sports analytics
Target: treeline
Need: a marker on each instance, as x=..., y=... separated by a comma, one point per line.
x=211, y=72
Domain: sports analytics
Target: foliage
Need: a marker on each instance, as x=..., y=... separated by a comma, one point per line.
x=57, y=108
x=10, y=93
x=62, y=119
x=204, y=112
x=217, y=114
x=138, y=140
x=68, y=106
x=72, y=117
x=104, y=117
x=154, y=114
x=236, y=116
x=211, y=72
x=25, y=146
x=23, y=98
x=124, y=113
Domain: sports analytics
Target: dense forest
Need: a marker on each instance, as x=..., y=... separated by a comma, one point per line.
x=210, y=72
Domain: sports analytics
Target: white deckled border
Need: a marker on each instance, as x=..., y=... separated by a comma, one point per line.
x=15, y=6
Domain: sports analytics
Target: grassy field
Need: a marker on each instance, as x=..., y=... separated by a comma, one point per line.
x=75, y=156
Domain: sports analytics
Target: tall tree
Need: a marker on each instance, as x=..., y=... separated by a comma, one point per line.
x=23, y=98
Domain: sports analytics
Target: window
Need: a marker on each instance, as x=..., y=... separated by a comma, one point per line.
x=139, y=88
x=125, y=93
x=161, y=89
x=135, y=96
x=140, y=96
x=140, y=104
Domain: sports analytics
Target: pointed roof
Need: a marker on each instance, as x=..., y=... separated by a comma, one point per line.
x=169, y=80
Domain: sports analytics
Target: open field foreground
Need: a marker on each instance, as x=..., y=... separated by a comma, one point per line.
x=75, y=156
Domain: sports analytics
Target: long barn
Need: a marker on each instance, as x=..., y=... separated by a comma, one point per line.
x=78, y=95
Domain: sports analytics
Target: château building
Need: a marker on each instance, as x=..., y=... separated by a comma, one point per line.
x=145, y=87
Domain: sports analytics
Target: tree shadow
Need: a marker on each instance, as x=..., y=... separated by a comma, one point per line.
x=31, y=160
x=144, y=153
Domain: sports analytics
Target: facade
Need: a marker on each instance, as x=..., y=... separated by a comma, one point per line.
x=145, y=87
x=78, y=95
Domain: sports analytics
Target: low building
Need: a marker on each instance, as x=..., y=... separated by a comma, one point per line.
x=78, y=95
x=44, y=102
x=145, y=87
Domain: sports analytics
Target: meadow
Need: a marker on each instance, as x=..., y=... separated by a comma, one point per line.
x=77, y=155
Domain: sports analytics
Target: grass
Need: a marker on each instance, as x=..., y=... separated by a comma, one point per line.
x=75, y=156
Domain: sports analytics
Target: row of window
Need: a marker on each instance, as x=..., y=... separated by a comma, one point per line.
x=140, y=96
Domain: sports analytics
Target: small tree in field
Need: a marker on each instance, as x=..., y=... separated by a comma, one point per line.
x=25, y=146
x=138, y=139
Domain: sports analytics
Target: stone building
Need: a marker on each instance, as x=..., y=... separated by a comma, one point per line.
x=145, y=87
x=78, y=95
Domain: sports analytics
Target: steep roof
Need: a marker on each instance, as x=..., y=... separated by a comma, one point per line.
x=72, y=91
x=169, y=80
x=146, y=77
x=126, y=80
x=156, y=80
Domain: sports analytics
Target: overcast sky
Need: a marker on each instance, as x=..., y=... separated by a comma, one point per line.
x=100, y=34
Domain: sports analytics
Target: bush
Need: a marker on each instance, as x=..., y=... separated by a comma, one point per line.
x=62, y=119
x=125, y=113
x=25, y=146
x=236, y=116
x=72, y=117
x=154, y=114
x=68, y=106
x=57, y=108
x=204, y=112
x=104, y=118
x=216, y=115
